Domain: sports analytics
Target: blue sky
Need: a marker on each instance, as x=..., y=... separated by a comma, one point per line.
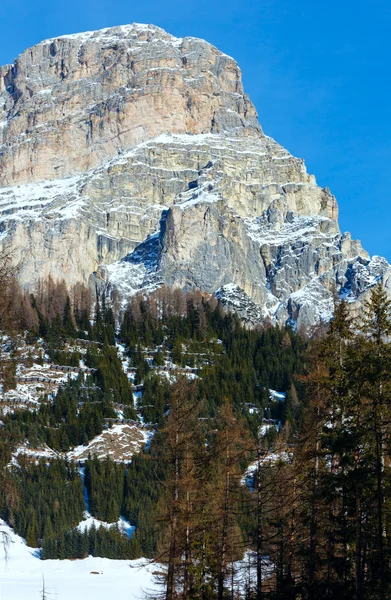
x=317, y=72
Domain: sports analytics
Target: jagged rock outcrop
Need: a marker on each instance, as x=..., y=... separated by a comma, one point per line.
x=134, y=158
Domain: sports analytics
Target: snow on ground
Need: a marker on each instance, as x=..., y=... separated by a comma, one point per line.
x=314, y=297
x=265, y=428
x=22, y=397
x=128, y=276
x=111, y=34
x=88, y=579
x=89, y=521
x=32, y=383
x=136, y=270
x=193, y=198
x=246, y=571
x=123, y=525
x=235, y=299
x=274, y=396
x=42, y=451
x=92, y=578
x=119, y=442
x=270, y=459
x=171, y=374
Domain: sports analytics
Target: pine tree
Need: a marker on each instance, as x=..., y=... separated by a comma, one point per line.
x=48, y=532
x=32, y=531
x=374, y=377
x=68, y=322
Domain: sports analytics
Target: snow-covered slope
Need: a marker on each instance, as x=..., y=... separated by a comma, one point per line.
x=21, y=576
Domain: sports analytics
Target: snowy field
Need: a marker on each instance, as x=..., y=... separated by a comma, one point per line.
x=88, y=579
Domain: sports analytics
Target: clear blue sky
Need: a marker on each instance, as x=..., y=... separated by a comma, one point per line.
x=318, y=73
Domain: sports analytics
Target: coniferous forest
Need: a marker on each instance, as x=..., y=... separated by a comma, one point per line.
x=267, y=474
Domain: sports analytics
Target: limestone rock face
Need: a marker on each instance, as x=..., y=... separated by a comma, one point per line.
x=133, y=158
x=70, y=103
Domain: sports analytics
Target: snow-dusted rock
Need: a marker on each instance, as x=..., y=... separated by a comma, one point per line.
x=72, y=102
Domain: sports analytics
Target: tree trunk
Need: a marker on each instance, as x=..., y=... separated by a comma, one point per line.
x=170, y=589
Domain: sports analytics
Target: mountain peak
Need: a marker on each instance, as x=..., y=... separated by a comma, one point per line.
x=116, y=32
x=130, y=158
x=72, y=102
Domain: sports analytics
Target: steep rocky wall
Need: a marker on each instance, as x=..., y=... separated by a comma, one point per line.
x=132, y=158
x=71, y=103
x=69, y=226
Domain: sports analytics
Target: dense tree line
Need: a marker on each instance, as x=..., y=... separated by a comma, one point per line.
x=343, y=457
x=319, y=503
x=73, y=417
x=310, y=519
x=50, y=503
x=190, y=330
x=49, y=500
x=104, y=481
x=96, y=541
x=235, y=363
x=185, y=494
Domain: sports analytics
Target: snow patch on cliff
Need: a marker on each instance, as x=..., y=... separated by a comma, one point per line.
x=29, y=200
x=297, y=228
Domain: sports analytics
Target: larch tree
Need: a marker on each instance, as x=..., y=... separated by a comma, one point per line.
x=230, y=446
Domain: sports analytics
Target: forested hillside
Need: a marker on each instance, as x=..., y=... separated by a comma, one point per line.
x=267, y=468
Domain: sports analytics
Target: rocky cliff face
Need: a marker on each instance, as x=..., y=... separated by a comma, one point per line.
x=134, y=158
x=73, y=102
